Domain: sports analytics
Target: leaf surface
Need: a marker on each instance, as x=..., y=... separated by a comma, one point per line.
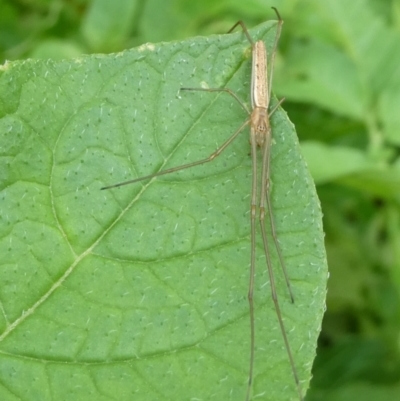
x=141, y=292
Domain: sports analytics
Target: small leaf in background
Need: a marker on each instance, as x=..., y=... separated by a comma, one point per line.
x=108, y=24
x=57, y=50
x=328, y=163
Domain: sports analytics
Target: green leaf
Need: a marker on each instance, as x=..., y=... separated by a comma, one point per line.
x=328, y=163
x=56, y=49
x=312, y=70
x=347, y=64
x=107, y=24
x=141, y=292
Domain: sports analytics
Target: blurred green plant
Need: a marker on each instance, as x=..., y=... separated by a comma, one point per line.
x=339, y=72
x=338, y=69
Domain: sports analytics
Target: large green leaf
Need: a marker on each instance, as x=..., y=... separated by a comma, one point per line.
x=141, y=292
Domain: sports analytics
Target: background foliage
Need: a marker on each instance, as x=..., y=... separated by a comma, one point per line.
x=338, y=69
